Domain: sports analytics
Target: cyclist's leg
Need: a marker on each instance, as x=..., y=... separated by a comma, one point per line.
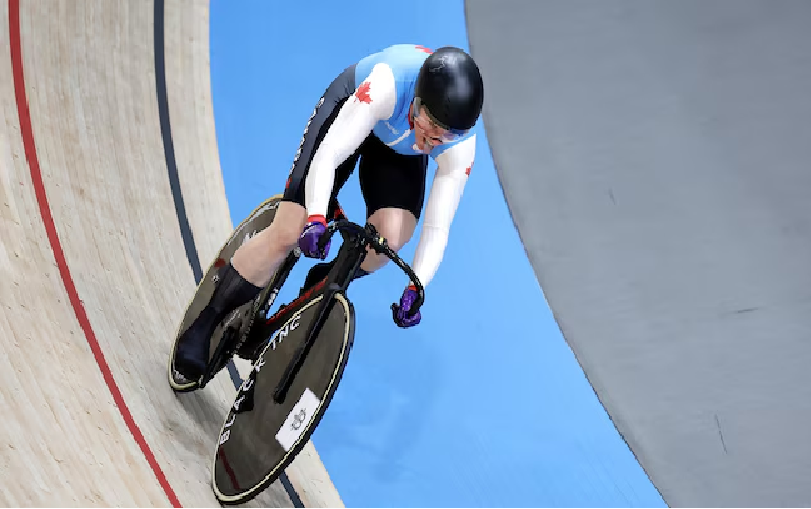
x=257, y=259
x=393, y=186
x=254, y=263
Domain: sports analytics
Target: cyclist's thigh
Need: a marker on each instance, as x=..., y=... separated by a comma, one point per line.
x=322, y=118
x=391, y=180
x=395, y=224
x=287, y=223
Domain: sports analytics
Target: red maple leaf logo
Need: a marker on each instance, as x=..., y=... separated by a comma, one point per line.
x=423, y=48
x=362, y=93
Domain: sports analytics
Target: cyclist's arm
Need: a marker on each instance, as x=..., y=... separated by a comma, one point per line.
x=351, y=126
x=453, y=168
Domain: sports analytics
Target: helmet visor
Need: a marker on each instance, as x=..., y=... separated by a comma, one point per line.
x=433, y=127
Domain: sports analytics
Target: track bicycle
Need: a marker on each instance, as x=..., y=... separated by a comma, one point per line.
x=298, y=356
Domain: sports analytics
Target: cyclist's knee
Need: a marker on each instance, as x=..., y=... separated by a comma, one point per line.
x=288, y=224
x=396, y=225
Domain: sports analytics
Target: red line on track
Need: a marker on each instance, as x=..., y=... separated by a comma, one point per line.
x=39, y=188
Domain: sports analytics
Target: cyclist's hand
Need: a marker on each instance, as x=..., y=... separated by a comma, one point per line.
x=308, y=241
x=401, y=315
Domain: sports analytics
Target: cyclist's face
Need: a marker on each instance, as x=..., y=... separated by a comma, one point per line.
x=427, y=134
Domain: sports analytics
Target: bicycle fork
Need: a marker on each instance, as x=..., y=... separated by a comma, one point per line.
x=352, y=248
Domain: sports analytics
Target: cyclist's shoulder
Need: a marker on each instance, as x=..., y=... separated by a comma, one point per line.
x=402, y=60
x=391, y=72
x=400, y=55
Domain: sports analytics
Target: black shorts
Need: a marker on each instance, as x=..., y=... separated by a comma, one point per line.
x=387, y=179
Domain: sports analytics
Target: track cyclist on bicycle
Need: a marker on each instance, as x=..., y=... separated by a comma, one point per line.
x=391, y=111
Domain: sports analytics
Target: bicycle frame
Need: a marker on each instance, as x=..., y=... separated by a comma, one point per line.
x=325, y=330
x=267, y=297
x=352, y=253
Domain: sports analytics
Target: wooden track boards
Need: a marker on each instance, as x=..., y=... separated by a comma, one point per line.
x=84, y=395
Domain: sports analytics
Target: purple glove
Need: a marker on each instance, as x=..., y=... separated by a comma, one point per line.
x=401, y=317
x=308, y=241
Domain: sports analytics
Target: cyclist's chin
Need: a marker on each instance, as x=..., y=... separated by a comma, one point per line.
x=421, y=144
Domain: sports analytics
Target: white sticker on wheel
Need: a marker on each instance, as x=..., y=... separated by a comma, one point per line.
x=297, y=419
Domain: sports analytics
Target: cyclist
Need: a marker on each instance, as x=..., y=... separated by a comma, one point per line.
x=391, y=111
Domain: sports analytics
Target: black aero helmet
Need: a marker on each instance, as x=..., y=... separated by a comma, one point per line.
x=451, y=88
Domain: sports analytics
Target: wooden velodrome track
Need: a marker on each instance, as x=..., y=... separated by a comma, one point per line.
x=99, y=257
